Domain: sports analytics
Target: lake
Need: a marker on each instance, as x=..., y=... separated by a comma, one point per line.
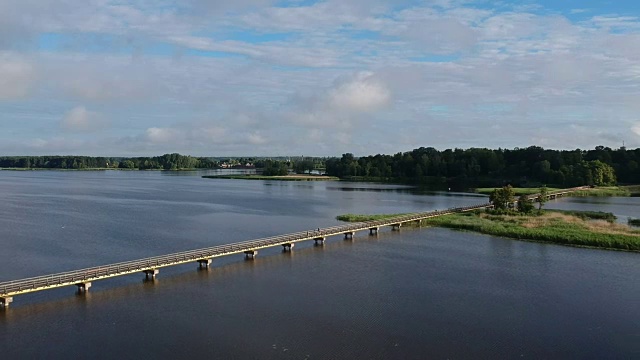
x=412, y=294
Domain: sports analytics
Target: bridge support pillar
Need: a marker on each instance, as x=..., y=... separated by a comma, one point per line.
x=5, y=301
x=419, y=222
x=318, y=241
x=396, y=226
x=204, y=264
x=250, y=254
x=287, y=247
x=348, y=235
x=373, y=231
x=151, y=274
x=83, y=287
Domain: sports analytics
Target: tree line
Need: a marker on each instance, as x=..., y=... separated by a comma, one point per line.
x=280, y=166
x=531, y=166
x=475, y=167
x=164, y=162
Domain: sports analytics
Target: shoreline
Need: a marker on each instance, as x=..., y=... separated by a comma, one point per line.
x=277, y=177
x=607, y=191
x=604, y=191
x=99, y=169
x=598, y=191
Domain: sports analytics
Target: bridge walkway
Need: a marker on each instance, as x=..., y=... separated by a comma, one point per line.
x=83, y=278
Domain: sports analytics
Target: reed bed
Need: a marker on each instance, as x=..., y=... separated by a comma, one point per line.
x=551, y=227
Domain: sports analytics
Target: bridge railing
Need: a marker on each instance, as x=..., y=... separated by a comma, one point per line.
x=559, y=192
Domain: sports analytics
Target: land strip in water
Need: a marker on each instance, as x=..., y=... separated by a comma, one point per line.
x=628, y=190
x=277, y=177
x=573, y=228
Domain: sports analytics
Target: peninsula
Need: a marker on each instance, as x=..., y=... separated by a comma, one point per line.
x=517, y=219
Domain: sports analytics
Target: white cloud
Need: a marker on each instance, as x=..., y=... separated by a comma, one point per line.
x=636, y=129
x=16, y=77
x=362, y=93
x=79, y=119
x=322, y=15
x=436, y=32
x=163, y=135
x=215, y=134
x=336, y=109
x=579, y=11
x=311, y=72
x=609, y=22
x=272, y=52
x=256, y=139
x=200, y=135
x=56, y=145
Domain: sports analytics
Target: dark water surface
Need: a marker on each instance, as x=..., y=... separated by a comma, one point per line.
x=414, y=294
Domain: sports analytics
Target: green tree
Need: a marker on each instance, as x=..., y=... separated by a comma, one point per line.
x=127, y=164
x=524, y=204
x=602, y=174
x=501, y=198
x=301, y=167
x=542, y=197
x=275, y=168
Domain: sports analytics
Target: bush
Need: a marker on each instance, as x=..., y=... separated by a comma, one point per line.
x=633, y=222
x=589, y=215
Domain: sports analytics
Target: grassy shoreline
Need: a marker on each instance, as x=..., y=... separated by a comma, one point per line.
x=278, y=178
x=630, y=190
x=516, y=191
x=571, y=228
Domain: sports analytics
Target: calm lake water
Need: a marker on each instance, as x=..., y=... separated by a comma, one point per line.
x=413, y=294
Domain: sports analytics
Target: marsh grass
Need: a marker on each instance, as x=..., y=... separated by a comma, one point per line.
x=603, y=191
x=576, y=228
x=551, y=227
x=596, y=191
x=587, y=215
x=634, y=190
x=516, y=191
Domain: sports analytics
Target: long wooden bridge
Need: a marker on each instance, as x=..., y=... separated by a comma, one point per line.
x=83, y=278
x=558, y=193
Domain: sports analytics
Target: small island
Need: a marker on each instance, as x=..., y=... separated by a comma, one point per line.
x=573, y=228
x=518, y=219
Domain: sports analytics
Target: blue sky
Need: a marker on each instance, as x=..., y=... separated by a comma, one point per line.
x=317, y=78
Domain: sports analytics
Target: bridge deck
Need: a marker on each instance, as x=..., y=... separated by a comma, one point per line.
x=17, y=287
x=82, y=276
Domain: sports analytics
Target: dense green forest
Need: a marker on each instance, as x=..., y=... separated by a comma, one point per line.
x=484, y=167
x=164, y=162
x=475, y=167
x=279, y=165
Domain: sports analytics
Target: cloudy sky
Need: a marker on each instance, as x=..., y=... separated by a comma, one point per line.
x=305, y=77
